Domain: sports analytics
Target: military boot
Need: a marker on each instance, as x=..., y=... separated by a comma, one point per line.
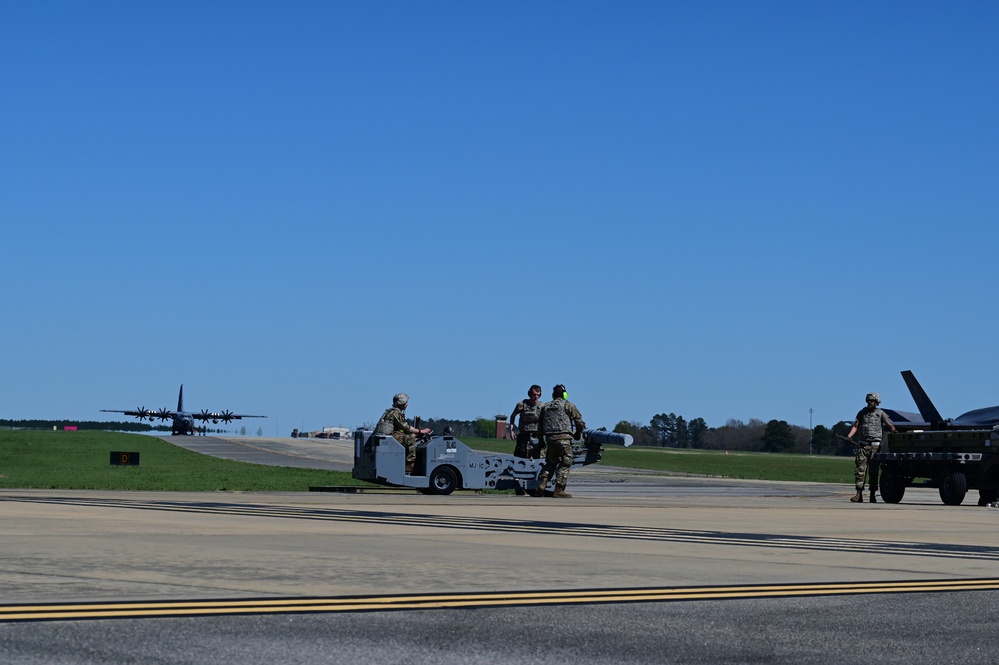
x=873, y=500
x=858, y=497
x=560, y=492
x=542, y=484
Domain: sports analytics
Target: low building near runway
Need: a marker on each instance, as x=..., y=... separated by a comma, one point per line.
x=332, y=433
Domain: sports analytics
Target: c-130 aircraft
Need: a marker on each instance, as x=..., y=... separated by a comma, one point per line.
x=183, y=421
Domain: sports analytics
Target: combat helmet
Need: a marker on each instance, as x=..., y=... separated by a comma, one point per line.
x=400, y=400
x=876, y=398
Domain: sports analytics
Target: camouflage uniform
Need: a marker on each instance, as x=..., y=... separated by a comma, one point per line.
x=393, y=422
x=530, y=423
x=870, y=429
x=558, y=438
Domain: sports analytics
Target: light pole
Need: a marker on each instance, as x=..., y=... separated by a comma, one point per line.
x=811, y=432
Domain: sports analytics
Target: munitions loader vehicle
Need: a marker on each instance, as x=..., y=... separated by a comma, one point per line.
x=444, y=463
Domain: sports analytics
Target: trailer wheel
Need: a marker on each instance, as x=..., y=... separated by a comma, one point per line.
x=985, y=497
x=953, y=488
x=892, y=484
x=443, y=480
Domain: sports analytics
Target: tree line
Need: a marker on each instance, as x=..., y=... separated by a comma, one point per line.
x=669, y=430
x=79, y=424
x=107, y=426
x=666, y=430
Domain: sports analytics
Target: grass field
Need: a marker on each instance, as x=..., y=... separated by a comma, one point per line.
x=81, y=460
x=715, y=463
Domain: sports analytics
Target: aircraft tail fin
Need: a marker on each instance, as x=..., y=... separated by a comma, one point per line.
x=922, y=400
x=180, y=399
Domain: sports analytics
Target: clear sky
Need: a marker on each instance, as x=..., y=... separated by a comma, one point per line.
x=725, y=210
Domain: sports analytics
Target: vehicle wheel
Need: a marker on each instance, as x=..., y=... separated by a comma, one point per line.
x=443, y=480
x=892, y=485
x=985, y=497
x=953, y=488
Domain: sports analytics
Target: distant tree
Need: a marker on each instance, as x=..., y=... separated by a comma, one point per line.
x=641, y=434
x=681, y=436
x=260, y=431
x=664, y=426
x=822, y=441
x=844, y=448
x=698, y=430
x=624, y=427
x=778, y=437
x=242, y=430
x=736, y=435
x=485, y=428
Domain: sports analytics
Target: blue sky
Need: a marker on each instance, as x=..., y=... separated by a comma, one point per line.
x=726, y=210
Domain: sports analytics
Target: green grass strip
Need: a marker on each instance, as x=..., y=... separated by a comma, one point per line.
x=41, y=459
x=714, y=463
x=81, y=460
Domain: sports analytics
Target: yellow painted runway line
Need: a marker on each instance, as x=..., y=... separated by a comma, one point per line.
x=87, y=611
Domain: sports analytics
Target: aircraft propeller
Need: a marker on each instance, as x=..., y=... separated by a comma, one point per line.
x=163, y=414
x=226, y=416
x=142, y=413
x=205, y=415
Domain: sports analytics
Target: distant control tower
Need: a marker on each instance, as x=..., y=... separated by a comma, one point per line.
x=500, y=427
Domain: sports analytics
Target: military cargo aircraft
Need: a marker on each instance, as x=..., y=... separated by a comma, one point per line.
x=183, y=421
x=929, y=418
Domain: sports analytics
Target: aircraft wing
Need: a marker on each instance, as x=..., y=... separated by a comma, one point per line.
x=223, y=416
x=906, y=419
x=142, y=413
x=986, y=417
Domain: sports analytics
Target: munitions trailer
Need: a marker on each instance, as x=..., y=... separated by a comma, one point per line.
x=952, y=460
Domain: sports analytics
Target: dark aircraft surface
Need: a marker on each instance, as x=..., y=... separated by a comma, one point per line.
x=183, y=421
x=929, y=418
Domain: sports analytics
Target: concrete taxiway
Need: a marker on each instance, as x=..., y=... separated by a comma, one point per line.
x=621, y=531
x=618, y=531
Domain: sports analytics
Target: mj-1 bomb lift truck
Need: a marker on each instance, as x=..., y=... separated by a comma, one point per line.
x=444, y=463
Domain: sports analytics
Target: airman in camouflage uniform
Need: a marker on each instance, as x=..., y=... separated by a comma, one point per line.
x=557, y=420
x=870, y=422
x=393, y=422
x=529, y=411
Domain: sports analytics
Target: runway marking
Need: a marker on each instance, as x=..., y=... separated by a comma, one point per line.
x=203, y=608
x=652, y=534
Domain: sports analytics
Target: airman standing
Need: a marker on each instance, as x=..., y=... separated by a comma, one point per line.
x=529, y=411
x=870, y=422
x=557, y=420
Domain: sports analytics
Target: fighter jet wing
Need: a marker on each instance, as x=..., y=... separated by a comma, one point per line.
x=985, y=417
x=906, y=419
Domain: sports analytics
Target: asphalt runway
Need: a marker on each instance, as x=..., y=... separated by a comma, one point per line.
x=635, y=568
